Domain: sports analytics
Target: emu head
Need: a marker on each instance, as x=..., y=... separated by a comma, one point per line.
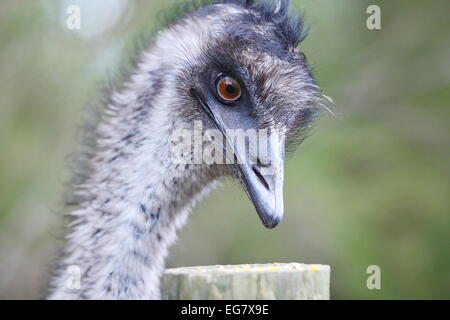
x=236, y=65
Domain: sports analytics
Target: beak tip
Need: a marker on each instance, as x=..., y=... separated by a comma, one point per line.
x=271, y=224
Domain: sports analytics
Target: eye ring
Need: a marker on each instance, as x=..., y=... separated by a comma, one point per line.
x=228, y=89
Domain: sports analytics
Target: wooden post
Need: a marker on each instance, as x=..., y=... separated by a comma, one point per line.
x=290, y=281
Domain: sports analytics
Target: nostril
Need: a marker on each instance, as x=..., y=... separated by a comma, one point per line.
x=260, y=177
x=261, y=164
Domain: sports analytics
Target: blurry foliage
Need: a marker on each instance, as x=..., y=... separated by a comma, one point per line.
x=368, y=187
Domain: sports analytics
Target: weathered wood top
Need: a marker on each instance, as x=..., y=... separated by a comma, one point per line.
x=257, y=281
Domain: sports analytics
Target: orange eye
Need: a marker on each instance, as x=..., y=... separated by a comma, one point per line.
x=228, y=89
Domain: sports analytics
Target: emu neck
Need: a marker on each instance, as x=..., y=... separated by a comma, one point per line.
x=134, y=197
x=133, y=201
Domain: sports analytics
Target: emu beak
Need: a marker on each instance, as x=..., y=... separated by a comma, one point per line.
x=263, y=178
x=264, y=183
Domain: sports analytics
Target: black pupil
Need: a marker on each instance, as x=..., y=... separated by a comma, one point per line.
x=230, y=89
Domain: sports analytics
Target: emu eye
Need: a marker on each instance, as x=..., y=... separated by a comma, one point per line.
x=228, y=89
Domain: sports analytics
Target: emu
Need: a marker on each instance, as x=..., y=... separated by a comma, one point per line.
x=228, y=64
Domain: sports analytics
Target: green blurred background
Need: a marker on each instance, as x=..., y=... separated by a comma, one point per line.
x=370, y=187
